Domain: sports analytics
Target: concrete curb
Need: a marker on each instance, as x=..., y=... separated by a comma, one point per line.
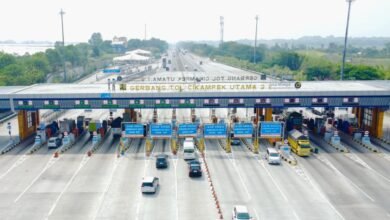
x=96, y=147
x=369, y=147
x=341, y=148
x=16, y=142
x=249, y=146
x=291, y=160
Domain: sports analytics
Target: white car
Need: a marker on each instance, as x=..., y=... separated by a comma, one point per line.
x=150, y=184
x=273, y=156
x=240, y=212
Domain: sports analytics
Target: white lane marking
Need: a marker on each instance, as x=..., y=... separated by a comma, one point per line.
x=239, y=174
x=146, y=164
x=323, y=195
x=257, y=216
x=116, y=163
x=176, y=188
x=356, y=158
x=273, y=180
x=16, y=164
x=82, y=163
x=345, y=177
x=47, y=166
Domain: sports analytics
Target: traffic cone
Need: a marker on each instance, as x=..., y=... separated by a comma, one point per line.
x=56, y=154
x=89, y=153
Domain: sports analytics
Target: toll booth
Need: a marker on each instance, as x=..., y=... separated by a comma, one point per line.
x=370, y=119
x=28, y=123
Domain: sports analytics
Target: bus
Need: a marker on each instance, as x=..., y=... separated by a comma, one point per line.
x=299, y=143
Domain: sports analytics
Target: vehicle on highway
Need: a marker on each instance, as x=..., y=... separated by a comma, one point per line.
x=54, y=142
x=189, y=149
x=234, y=140
x=273, y=156
x=240, y=212
x=150, y=184
x=195, y=170
x=162, y=161
x=299, y=143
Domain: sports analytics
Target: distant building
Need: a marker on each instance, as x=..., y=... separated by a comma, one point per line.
x=119, y=44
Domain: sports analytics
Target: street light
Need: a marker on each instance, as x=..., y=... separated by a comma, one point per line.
x=63, y=40
x=254, y=51
x=346, y=39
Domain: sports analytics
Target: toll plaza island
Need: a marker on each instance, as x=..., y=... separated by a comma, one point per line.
x=115, y=137
x=368, y=98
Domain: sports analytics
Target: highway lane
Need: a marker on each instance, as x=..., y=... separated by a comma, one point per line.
x=354, y=190
x=89, y=185
x=39, y=198
x=121, y=199
x=270, y=192
x=193, y=193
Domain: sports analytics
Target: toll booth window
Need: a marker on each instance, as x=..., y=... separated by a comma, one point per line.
x=137, y=101
x=320, y=100
x=351, y=100
x=291, y=100
x=29, y=119
x=367, y=120
x=263, y=101
x=236, y=101
x=211, y=101
x=162, y=101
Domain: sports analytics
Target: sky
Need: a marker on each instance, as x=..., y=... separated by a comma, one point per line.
x=177, y=20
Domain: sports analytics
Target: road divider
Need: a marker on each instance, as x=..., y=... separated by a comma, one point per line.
x=366, y=142
x=14, y=142
x=213, y=192
x=68, y=142
x=333, y=139
x=38, y=144
x=97, y=142
x=248, y=143
x=225, y=145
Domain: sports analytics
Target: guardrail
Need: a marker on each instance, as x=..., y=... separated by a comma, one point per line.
x=6, y=118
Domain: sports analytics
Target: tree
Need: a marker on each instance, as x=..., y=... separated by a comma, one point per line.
x=6, y=59
x=291, y=60
x=96, y=41
x=363, y=72
x=318, y=72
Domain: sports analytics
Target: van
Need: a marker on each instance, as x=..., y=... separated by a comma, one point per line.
x=189, y=150
x=273, y=156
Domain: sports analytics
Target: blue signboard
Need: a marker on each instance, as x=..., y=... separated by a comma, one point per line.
x=243, y=130
x=270, y=129
x=105, y=95
x=188, y=129
x=133, y=130
x=215, y=130
x=161, y=130
x=111, y=70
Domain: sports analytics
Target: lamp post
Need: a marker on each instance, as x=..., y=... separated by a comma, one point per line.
x=346, y=39
x=254, y=50
x=63, y=40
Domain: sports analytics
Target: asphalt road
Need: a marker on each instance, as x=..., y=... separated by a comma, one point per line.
x=328, y=185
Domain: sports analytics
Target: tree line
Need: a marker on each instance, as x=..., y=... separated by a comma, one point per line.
x=289, y=63
x=30, y=69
